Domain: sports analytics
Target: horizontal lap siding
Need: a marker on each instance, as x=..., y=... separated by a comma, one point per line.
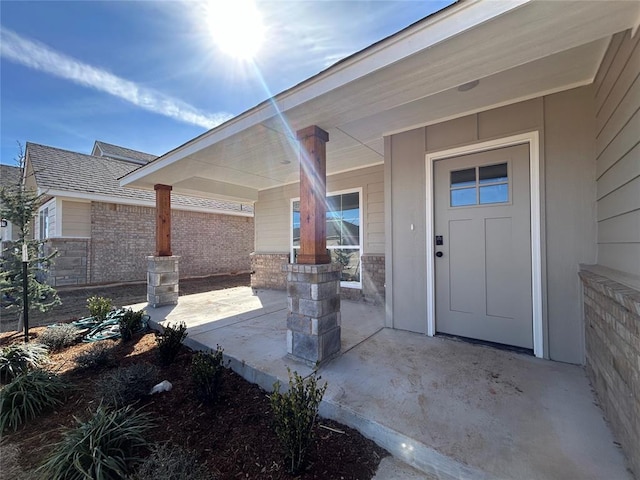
x=618, y=155
x=76, y=219
x=273, y=210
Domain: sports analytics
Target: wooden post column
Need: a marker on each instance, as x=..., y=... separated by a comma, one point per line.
x=313, y=196
x=163, y=220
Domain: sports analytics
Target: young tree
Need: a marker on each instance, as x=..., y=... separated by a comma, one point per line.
x=19, y=206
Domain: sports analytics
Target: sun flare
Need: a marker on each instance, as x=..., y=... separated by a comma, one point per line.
x=236, y=27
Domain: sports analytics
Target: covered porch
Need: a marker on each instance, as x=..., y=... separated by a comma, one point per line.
x=449, y=409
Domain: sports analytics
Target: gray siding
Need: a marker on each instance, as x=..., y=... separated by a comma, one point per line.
x=565, y=122
x=273, y=210
x=617, y=103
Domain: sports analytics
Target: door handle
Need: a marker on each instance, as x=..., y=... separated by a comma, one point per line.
x=439, y=254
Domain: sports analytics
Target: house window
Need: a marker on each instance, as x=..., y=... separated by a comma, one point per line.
x=480, y=185
x=343, y=234
x=44, y=223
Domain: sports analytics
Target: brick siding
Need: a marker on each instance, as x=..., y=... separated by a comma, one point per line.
x=268, y=273
x=373, y=278
x=122, y=236
x=612, y=323
x=267, y=270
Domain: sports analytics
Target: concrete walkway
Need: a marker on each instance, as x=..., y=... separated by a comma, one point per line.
x=447, y=408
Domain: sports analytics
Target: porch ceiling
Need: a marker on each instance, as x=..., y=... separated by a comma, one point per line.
x=517, y=50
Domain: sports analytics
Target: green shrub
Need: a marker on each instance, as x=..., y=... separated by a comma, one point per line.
x=206, y=374
x=126, y=385
x=99, y=307
x=28, y=395
x=130, y=323
x=171, y=462
x=103, y=447
x=170, y=341
x=20, y=357
x=97, y=356
x=60, y=336
x=295, y=415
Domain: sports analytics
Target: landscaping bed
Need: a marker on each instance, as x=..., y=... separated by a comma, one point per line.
x=232, y=438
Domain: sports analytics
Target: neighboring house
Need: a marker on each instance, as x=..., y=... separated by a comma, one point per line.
x=490, y=156
x=9, y=178
x=104, y=232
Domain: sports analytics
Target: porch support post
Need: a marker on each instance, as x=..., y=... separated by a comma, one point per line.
x=162, y=268
x=313, y=284
x=163, y=220
x=313, y=196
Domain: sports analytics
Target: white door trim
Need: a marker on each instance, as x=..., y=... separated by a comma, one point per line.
x=532, y=139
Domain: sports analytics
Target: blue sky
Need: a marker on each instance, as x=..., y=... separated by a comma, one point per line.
x=152, y=75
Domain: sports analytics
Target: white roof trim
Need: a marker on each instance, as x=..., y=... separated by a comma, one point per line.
x=433, y=30
x=132, y=201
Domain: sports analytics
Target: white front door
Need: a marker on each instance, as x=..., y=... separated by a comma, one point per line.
x=483, y=246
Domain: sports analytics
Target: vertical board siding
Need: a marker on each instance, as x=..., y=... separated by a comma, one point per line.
x=273, y=210
x=618, y=154
x=76, y=219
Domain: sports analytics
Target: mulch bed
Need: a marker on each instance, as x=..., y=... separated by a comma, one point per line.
x=234, y=438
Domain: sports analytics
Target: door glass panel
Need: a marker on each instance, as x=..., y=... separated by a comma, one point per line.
x=463, y=178
x=494, y=193
x=493, y=173
x=463, y=196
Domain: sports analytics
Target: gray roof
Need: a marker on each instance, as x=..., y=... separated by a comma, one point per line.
x=9, y=176
x=62, y=170
x=121, y=153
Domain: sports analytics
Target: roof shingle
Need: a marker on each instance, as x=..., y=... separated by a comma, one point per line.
x=63, y=170
x=122, y=153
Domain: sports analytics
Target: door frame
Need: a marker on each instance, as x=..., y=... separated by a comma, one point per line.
x=532, y=139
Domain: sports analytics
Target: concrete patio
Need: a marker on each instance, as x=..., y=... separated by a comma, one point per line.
x=449, y=409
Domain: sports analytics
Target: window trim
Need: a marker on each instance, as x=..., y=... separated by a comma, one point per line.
x=358, y=190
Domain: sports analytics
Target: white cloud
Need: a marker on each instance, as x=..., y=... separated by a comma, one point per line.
x=40, y=57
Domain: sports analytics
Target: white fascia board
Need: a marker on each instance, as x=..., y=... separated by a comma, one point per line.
x=435, y=29
x=92, y=197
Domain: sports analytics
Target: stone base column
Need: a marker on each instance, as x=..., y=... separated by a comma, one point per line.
x=162, y=280
x=313, y=320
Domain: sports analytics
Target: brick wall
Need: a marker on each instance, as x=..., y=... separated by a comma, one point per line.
x=267, y=270
x=268, y=273
x=612, y=323
x=71, y=265
x=123, y=235
x=373, y=278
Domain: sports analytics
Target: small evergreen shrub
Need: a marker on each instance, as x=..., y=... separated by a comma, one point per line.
x=28, y=395
x=103, y=447
x=126, y=385
x=20, y=357
x=97, y=356
x=295, y=414
x=171, y=462
x=206, y=375
x=130, y=323
x=58, y=337
x=170, y=341
x=99, y=307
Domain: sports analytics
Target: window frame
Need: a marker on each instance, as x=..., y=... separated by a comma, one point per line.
x=359, y=247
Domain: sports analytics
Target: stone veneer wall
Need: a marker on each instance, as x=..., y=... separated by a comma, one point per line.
x=72, y=264
x=612, y=324
x=268, y=270
x=122, y=236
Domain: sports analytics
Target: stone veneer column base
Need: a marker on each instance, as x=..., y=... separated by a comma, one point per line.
x=162, y=280
x=313, y=320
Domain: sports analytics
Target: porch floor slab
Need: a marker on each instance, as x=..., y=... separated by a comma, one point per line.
x=448, y=408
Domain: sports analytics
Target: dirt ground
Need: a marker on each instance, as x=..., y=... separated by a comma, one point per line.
x=74, y=300
x=233, y=438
